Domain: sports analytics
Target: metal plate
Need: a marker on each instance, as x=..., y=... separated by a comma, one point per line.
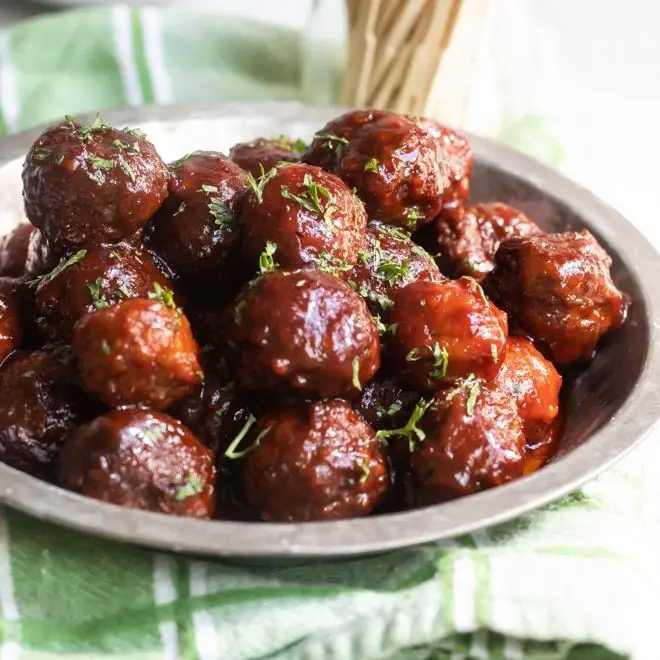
x=614, y=404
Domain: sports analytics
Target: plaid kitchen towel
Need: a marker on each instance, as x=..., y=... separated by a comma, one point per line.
x=577, y=580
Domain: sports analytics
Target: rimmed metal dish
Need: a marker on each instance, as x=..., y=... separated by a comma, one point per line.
x=614, y=403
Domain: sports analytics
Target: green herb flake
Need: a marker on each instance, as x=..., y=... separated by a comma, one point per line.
x=41, y=154
x=99, y=301
x=410, y=431
x=414, y=355
x=181, y=209
x=46, y=279
x=123, y=290
x=440, y=361
x=211, y=190
x=126, y=168
x=105, y=347
x=414, y=214
x=257, y=185
x=266, y=262
x=477, y=288
x=201, y=375
x=189, y=488
x=221, y=213
x=297, y=145
x=391, y=328
x=363, y=257
x=101, y=163
x=120, y=145
x=310, y=199
x=135, y=132
x=155, y=434
x=163, y=295
x=471, y=385
x=364, y=468
x=300, y=283
x=393, y=409
x=333, y=142
x=391, y=271
x=333, y=265
x=356, y=374
x=493, y=352
x=380, y=326
x=383, y=301
x=371, y=165
x=232, y=451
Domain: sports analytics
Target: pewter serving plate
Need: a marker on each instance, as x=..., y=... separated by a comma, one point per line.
x=614, y=403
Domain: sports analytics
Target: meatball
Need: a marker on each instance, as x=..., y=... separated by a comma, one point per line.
x=445, y=330
x=303, y=334
x=215, y=413
x=473, y=440
x=143, y=460
x=137, y=352
x=261, y=155
x=41, y=257
x=317, y=461
x=533, y=382
x=558, y=288
x=386, y=404
x=459, y=159
x=329, y=144
x=398, y=169
x=388, y=262
x=41, y=405
x=196, y=229
x=94, y=279
x=14, y=249
x=10, y=325
x=83, y=185
x=310, y=216
x=468, y=238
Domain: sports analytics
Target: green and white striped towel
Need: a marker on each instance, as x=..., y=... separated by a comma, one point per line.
x=578, y=580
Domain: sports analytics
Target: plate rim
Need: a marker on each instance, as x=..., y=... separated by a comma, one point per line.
x=631, y=424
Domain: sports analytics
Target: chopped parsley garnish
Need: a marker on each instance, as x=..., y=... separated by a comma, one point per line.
x=390, y=271
x=414, y=355
x=126, y=168
x=380, y=326
x=201, y=375
x=209, y=189
x=190, y=487
x=156, y=433
x=181, y=209
x=412, y=216
x=105, y=347
x=394, y=231
x=296, y=145
x=258, y=185
x=364, y=468
x=356, y=374
x=311, y=199
x=266, y=262
x=41, y=154
x=371, y=165
x=119, y=144
x=73, y=259
x=232, y=452
x=333, y=142
x=332, y=265
x=383, y=301
x=85, y=132
x=101, y=163
x=363, y=257
x=410, y=431
x=220, y=212
x=471, y=385
x=493, y=352
x=238, y=311
x=477, y=287
x=123, y=290
x=135, y=132
x=163, y=295
x=440, y=361
x=393, y=409
x=99, y=301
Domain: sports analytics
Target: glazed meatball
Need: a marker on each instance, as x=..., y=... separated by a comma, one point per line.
x=10, y=325
x=215, y=413
x=302, y=334
x=558, y=288
x=310, y=216
x=398, y=169
x=329, y=144
x=137, y=352
x=41, y=256
x=459, y=159
x=468, y=238
x=83, y=185
x=14, y=249
x=41, y=405
x=93, y=279
x=261, y=155
x=445, y=330
x=196, y=229
x=386, y=404
x=388, y=262
x=143, y=460
x=534, y=383
x=473, y=440
x=318, y=461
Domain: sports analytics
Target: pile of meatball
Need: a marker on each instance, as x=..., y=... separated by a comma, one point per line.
x=290, y=332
